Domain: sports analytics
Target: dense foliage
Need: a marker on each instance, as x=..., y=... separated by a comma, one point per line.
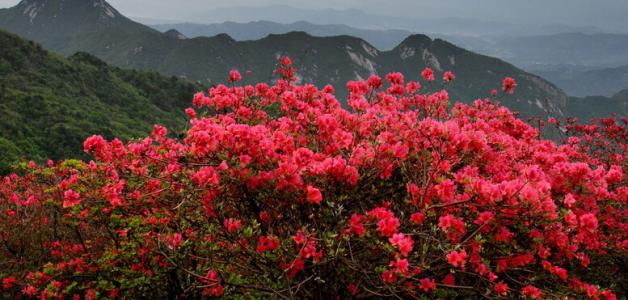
x=278, y=191
x=49, y=104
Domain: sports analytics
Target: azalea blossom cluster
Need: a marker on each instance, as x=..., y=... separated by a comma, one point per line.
x=277, y=190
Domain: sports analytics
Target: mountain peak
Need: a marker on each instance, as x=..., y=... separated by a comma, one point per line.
x=414, y=45
x=224, y=38
x=175, y=34
x=43, y=9
x=107, y=9
x=45, y=20
x=416, y=40
x=294, y=34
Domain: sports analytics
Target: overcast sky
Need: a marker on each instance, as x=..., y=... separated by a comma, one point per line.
x=606, y=14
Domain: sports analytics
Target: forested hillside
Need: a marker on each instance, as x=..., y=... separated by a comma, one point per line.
x=50, y=104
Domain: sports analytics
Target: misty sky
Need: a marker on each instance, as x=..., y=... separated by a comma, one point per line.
x=606, y=14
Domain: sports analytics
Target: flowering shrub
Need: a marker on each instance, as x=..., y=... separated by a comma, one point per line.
x=278, y=191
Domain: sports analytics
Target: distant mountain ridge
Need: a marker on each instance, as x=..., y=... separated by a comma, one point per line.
x=567, y=59
x=532, y=52
x=588, y=49
x=320, y=60
x=381, y=39
x=581, y=64
x=582, y=82
x=420, y=21
x=587, y=108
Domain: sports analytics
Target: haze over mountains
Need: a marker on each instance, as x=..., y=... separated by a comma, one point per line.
x=445, y=17
x=539, y=48
x=583, y=81
x=569, y=55
x=383, y=39
x=97, y=28
x=582, y=64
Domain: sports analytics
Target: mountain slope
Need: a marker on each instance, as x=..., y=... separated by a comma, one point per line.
x=50, y=104
x=622, y=95
x=319, y=60
x=587, y=108
x=477, y=73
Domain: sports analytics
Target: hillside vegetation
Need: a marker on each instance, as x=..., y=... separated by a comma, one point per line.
x=50, y=104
